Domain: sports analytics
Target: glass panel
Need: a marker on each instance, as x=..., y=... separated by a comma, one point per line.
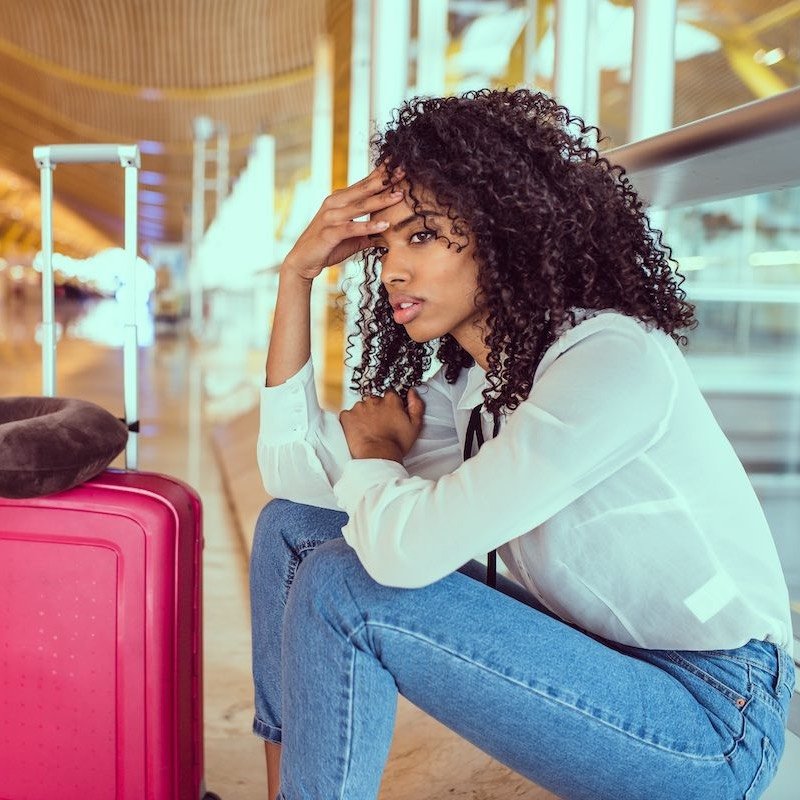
x=614, y=43
x=741, y=258
x=732, y=52
x=488, y=42
x=727, y=53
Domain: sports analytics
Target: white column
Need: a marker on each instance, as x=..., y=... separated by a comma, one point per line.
x=575, y=79
x=223, y=160
x=203, y=130
x=385, y=85
x=265, y=148
x=379, y=79
x=391, y=34
x=432, y=38
x=264, y=156
x=530, y=50
x=360, y=91
x=357, y=161
x=653, y=70
x=591, y=68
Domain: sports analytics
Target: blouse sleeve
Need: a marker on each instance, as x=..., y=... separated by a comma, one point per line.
x=302, y=450
x=599, y=405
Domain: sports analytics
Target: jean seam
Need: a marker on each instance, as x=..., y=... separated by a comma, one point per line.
x=540, y=692
x=766, y=745
x=786, y=669
x=764, y=696
x=349, y=726
x=778, y=668
x=728, y=692
x=296, y=557
x=741, y=661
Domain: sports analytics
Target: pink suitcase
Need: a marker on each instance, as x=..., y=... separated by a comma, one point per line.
x=100, y=610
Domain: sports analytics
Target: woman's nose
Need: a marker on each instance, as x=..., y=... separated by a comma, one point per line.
x=392, y=276
x=393, y=281
x=393, y=269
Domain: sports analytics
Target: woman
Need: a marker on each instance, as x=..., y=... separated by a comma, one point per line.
x=641, y=647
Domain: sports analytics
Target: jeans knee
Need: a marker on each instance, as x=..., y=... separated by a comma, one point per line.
x=286, y=524
x=332, y=567
x=274, y=514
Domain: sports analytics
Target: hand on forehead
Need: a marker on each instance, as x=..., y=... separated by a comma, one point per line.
x=423, y=200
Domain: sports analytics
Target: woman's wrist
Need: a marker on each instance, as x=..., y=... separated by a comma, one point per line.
x=289, y=271
x=386, y=450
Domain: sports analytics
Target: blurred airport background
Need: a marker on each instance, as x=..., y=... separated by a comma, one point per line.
x=249, y=112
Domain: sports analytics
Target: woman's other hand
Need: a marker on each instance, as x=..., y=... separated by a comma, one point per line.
x=383, y=427
x=333, y=235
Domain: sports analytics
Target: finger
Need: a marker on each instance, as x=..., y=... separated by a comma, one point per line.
x=372, y=184
x=346, y=242
x=391, y=396
x=416, y=406
x=363, y=206
x=378, y=171
x=377, y=202
x=377, y=181
x=364, y=242
x=349, y=230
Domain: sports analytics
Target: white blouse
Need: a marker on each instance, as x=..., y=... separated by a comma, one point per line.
x=611, y=493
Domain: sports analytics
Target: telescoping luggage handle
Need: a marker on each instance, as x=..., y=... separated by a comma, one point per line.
x=127, y=156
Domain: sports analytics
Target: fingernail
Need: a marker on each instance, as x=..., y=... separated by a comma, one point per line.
x=382, y=226
x=396, y=194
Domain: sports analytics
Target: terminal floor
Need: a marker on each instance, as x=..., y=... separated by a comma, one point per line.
x=195, y=425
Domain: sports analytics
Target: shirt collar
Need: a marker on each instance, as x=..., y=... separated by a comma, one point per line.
x=475, y=384
x=476, y=376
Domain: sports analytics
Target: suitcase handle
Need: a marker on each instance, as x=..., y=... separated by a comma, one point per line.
x=127, y=156
x=123, y=154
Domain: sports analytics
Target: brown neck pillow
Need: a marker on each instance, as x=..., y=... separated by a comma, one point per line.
x=50, y=444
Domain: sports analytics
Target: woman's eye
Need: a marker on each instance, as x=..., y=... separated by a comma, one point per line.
x=378, y=252
x=426, y=236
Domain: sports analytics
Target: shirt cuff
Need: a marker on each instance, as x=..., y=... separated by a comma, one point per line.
x=362, y=474
x=289, y=409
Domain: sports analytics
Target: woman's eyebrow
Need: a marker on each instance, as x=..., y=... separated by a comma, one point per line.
x=404, y=222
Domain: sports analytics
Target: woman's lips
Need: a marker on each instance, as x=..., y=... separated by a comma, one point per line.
x=402, y=316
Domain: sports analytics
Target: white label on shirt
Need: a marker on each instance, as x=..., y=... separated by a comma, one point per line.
x=711, y=597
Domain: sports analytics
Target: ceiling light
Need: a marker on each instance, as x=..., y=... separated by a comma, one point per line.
x=769, y=57
x=774, y=258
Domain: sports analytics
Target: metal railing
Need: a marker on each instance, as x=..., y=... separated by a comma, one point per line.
x=749, y=149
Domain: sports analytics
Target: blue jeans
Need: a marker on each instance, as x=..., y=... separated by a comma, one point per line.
x=584, y=717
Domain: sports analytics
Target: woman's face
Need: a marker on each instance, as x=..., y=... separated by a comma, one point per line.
x=439, y=282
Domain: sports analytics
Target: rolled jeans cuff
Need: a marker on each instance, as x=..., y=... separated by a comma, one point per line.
x=266, y=732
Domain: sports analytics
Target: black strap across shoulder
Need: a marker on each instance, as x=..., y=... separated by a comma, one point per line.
x=475, y=431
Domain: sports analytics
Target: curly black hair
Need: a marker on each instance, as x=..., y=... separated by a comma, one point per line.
x=556, y=227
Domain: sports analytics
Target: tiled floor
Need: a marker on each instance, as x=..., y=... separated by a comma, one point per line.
x=186, y=393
